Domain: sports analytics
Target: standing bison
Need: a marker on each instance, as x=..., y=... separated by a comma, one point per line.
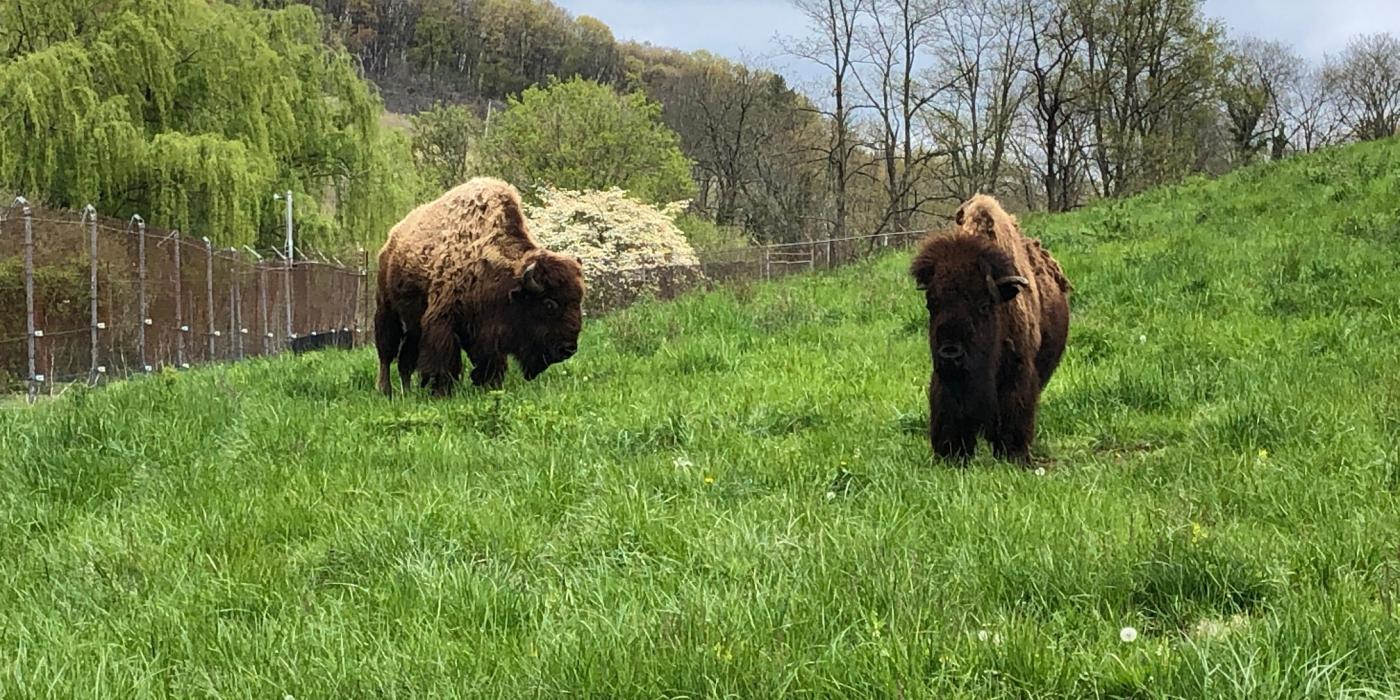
x=998, y=322
x=464, y=273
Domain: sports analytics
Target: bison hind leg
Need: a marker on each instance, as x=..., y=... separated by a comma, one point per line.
x=388, y=336
x=408, y=359
x=441, y=355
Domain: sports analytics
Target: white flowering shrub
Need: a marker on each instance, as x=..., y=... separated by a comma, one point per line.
x=628, y=248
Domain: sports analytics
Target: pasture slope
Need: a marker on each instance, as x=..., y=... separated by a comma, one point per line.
x=731, y=495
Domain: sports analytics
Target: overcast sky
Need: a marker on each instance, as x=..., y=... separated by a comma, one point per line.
x=747, y=28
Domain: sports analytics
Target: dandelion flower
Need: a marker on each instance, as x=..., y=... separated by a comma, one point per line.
x=1128, y=635
x=1263, y=455
x=709, y=479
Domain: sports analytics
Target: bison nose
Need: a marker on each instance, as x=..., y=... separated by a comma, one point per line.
x=565, y=351
x=950, y=351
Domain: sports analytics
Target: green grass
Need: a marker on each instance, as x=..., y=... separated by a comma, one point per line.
x=731, y=495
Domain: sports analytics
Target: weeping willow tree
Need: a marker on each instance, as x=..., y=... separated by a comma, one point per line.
x=193, y=113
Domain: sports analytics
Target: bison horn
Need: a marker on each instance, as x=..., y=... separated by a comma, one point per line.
x=530, y=280
x=1006, y=288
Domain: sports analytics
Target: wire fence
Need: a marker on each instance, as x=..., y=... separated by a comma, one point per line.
x=755, y=263
x=88, y=298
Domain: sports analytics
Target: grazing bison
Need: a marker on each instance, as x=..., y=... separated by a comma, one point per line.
x=998, y=322
x=464, y=273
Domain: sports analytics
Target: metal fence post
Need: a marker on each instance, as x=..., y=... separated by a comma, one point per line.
x=261, y=311
x=362, y=295
x=30, y=337
x=89, y=216
x=209, y=295
x=180, y=324
x=145, y=319
x=236, y=331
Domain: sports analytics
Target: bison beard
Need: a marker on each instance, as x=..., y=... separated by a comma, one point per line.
x=996, y=333
x=463, y=273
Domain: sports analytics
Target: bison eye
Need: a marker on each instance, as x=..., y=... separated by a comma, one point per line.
x=985, y=308
x=551, y=305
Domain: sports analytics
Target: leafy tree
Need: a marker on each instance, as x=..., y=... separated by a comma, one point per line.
x=443, y=139
x=580, y=134
x=192, y=113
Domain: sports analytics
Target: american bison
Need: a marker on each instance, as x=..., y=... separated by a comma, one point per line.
x=464, y=273
x=998, y=323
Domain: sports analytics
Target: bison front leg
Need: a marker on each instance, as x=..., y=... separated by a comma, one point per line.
x=952, y=433
x=488, y=368
x=439, y=355
x=1014, y=431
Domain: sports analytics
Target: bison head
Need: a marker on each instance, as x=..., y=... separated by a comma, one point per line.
x=546, y=311
x=967, y=281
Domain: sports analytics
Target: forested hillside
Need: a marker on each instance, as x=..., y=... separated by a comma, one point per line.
x=1047, y=103
x=192, y=111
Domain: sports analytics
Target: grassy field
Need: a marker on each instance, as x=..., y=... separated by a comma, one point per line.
x=732, y=495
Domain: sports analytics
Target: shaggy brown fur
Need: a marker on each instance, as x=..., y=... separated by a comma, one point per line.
x=998, y=324
x=464, y=273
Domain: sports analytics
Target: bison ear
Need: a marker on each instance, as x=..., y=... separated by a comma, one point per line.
x=1008, y=287
x=530, y=279
x=922, y=272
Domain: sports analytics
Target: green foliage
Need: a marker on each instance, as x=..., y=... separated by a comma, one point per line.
x=705, y=235
x=192, y=113
x=581, y=135
x=731, y=495
x=443, y=140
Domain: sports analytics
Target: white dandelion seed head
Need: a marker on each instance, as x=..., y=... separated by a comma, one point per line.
x=1128, y=635
x=1040, y=471
x=830, y=495
x=1142, y=338
x=984, y=635
x=683, y=462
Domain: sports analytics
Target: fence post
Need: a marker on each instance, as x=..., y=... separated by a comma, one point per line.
x=141, y=289
x=236, y=331
x=90, y=217
x=180, y=324
x=287, y=298
x=360, y=314
x=767, y=262
x=30, y=331
x=266, y=323
x=209, y=294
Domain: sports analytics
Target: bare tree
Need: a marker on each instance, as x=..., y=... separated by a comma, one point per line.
x=979, y=89
x=1056, y=100
x=892, y=44
x=834, y=23
x=1310, y=112
x=1366, y=86
x=1256, y=95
